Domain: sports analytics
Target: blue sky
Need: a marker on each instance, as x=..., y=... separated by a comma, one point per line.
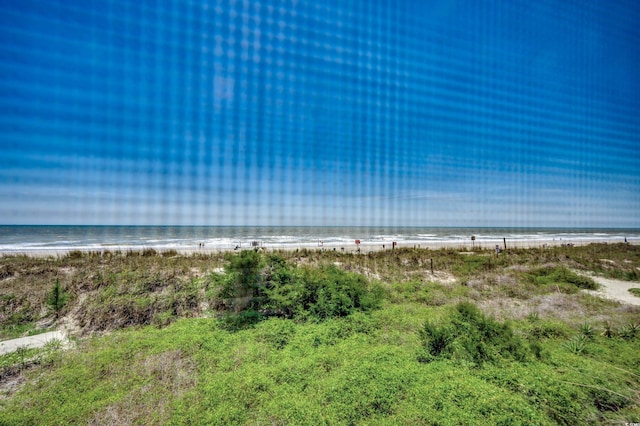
x=340, y=112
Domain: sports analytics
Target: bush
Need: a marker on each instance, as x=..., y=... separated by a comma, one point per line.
x=548, y=329
x=331, y=292
x=246, y=266
x=271, y=287
x=469, y=336
x=240, y=320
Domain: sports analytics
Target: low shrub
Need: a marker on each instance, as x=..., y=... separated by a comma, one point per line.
x=241, y=320
x=272, y=287
x=276, y=332
x=560, y=277
x=468, y=335
x=548, y=330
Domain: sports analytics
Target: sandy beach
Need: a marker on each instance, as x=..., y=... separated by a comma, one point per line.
x=364, y=247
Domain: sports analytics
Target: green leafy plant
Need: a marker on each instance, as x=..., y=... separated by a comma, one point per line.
x=533, y=317
x=561, y=278
x=587, y=330
x=272, y=287
x=57, y=298
x=240, y=320
x=629, y=331
x=469, y=335
x=576, y=344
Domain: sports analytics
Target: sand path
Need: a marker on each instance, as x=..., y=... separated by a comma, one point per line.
x=37, y=341
x=616, y=290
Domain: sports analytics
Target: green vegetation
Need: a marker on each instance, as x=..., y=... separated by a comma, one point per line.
x=560, y=277
x=468, y=336
x=57, y=299
x=635, y=291
x=256, y=288
x=313, y=337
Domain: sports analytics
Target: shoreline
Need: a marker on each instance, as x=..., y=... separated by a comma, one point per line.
x=340, y=248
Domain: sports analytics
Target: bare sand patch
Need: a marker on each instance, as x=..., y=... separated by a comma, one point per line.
x=617, y=290
x=441, y=277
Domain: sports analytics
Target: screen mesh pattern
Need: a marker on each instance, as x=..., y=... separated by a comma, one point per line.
x=294, y=112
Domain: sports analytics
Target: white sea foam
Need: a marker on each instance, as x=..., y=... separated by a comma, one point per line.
x=16, y=239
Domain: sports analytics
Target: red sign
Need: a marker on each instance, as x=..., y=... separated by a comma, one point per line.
x=357, y=242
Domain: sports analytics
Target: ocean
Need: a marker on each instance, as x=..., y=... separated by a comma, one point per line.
x=25, y=239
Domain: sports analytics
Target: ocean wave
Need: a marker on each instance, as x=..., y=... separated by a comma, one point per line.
x=31, y=239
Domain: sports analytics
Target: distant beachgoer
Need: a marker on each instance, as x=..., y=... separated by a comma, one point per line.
x=625, y=240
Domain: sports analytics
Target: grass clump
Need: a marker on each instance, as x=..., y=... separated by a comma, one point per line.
x=469, y=335
x=560, y=278
x=635, y=291
x=16, y=316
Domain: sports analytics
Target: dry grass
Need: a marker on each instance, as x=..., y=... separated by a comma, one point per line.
x=114, y=290
x=91, y=279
